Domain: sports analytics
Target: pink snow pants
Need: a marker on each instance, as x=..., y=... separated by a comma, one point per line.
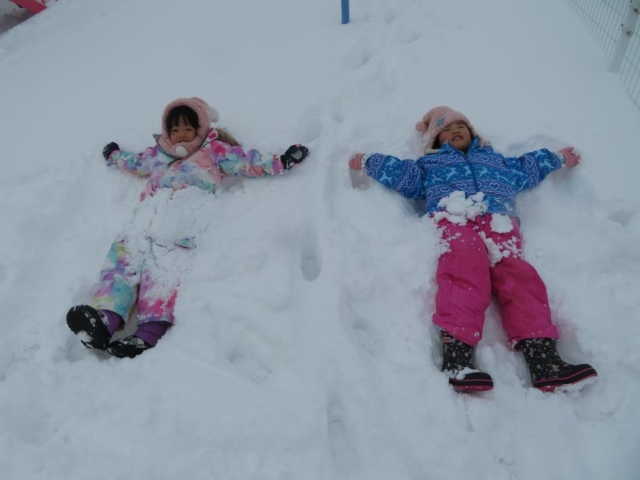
x=466, y=280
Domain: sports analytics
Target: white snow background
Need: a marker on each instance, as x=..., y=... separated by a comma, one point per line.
x=303, y=347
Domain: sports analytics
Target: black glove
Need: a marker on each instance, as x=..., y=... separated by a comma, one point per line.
x=294, y=155
x=108, y=149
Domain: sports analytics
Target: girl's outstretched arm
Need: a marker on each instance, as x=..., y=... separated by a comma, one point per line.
x=404, y=176
x=533, y=167
x=233, y=160
x=140, y=164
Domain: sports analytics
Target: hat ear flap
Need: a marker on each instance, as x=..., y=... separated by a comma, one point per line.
x=423, y=126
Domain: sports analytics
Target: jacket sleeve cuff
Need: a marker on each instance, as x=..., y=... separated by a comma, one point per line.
x=364, y=159
x=112, y=161
x=560, y=157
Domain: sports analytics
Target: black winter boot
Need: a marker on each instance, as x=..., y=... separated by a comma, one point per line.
x=91, y=322
x=548, y=370
x=128, y=347
x=458, y=356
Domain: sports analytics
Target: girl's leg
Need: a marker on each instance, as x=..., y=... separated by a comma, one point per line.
x=113, y=300
x=158, y=293
x=526, y=316
x=464, y=288
x=159, y=281
x=521, y=293
x=119, y=279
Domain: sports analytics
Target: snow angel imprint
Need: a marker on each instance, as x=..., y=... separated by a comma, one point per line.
x=470, y=192
x=144, y=265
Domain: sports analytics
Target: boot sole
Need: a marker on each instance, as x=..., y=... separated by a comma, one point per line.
x=79, y=321
x=472, y=382
x=583, y=375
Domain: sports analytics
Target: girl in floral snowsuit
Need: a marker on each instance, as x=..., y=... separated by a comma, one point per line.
x=143, y=267
x=470, y=192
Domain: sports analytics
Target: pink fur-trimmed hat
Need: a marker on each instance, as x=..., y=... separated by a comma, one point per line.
x=436, y=120
x=206, y=116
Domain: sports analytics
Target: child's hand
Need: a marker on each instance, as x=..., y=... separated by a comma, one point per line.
x=295, y=154
x=108, y=149
x=571, y=157
x=355, y=162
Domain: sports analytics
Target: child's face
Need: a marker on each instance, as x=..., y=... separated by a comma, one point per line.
x=182, y=132
x=458, y=136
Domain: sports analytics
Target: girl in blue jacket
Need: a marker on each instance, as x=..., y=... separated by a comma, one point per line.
x=470, y=193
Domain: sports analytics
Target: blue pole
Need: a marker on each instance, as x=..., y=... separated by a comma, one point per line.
x=345, y=11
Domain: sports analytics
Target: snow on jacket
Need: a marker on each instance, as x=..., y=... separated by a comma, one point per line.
x=435, y=176
x=204, y=169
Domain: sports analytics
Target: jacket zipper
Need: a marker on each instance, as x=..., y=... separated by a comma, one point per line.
x=473, y=173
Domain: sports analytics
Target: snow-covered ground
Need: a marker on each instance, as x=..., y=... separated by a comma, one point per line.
x=303, y=348
x=11, y=15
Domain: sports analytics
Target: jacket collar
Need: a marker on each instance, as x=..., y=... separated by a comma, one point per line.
x=168, y=148
x=448, y=148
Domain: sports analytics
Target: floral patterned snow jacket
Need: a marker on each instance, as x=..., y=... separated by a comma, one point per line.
x=204, y=169
x=435, y=176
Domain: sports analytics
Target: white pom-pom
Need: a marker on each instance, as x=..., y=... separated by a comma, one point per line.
x=181, y=151
x=214, y=115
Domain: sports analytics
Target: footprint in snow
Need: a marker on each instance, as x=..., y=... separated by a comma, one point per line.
x=390, y=16
x=359, y=56
x=310, y=259
x=344, y=457
x=622, y=216
x=315, y=120
x=365, y=337
x=249, y=366
x=406, y=36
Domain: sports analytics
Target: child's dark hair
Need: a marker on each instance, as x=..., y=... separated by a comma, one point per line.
x=191, y=118
x=187, y=114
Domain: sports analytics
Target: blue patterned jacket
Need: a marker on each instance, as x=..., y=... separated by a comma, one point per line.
x=435, y=176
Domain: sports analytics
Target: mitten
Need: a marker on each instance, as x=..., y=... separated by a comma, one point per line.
x=355, y=162
x=295, y=154
x=571, y=157
x=108, y=149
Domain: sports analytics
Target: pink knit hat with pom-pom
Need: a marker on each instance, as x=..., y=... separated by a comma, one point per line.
x=206, y=116
x=436, y=120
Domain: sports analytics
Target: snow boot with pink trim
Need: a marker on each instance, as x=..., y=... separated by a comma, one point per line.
x=457, y=363
x=548, y=371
